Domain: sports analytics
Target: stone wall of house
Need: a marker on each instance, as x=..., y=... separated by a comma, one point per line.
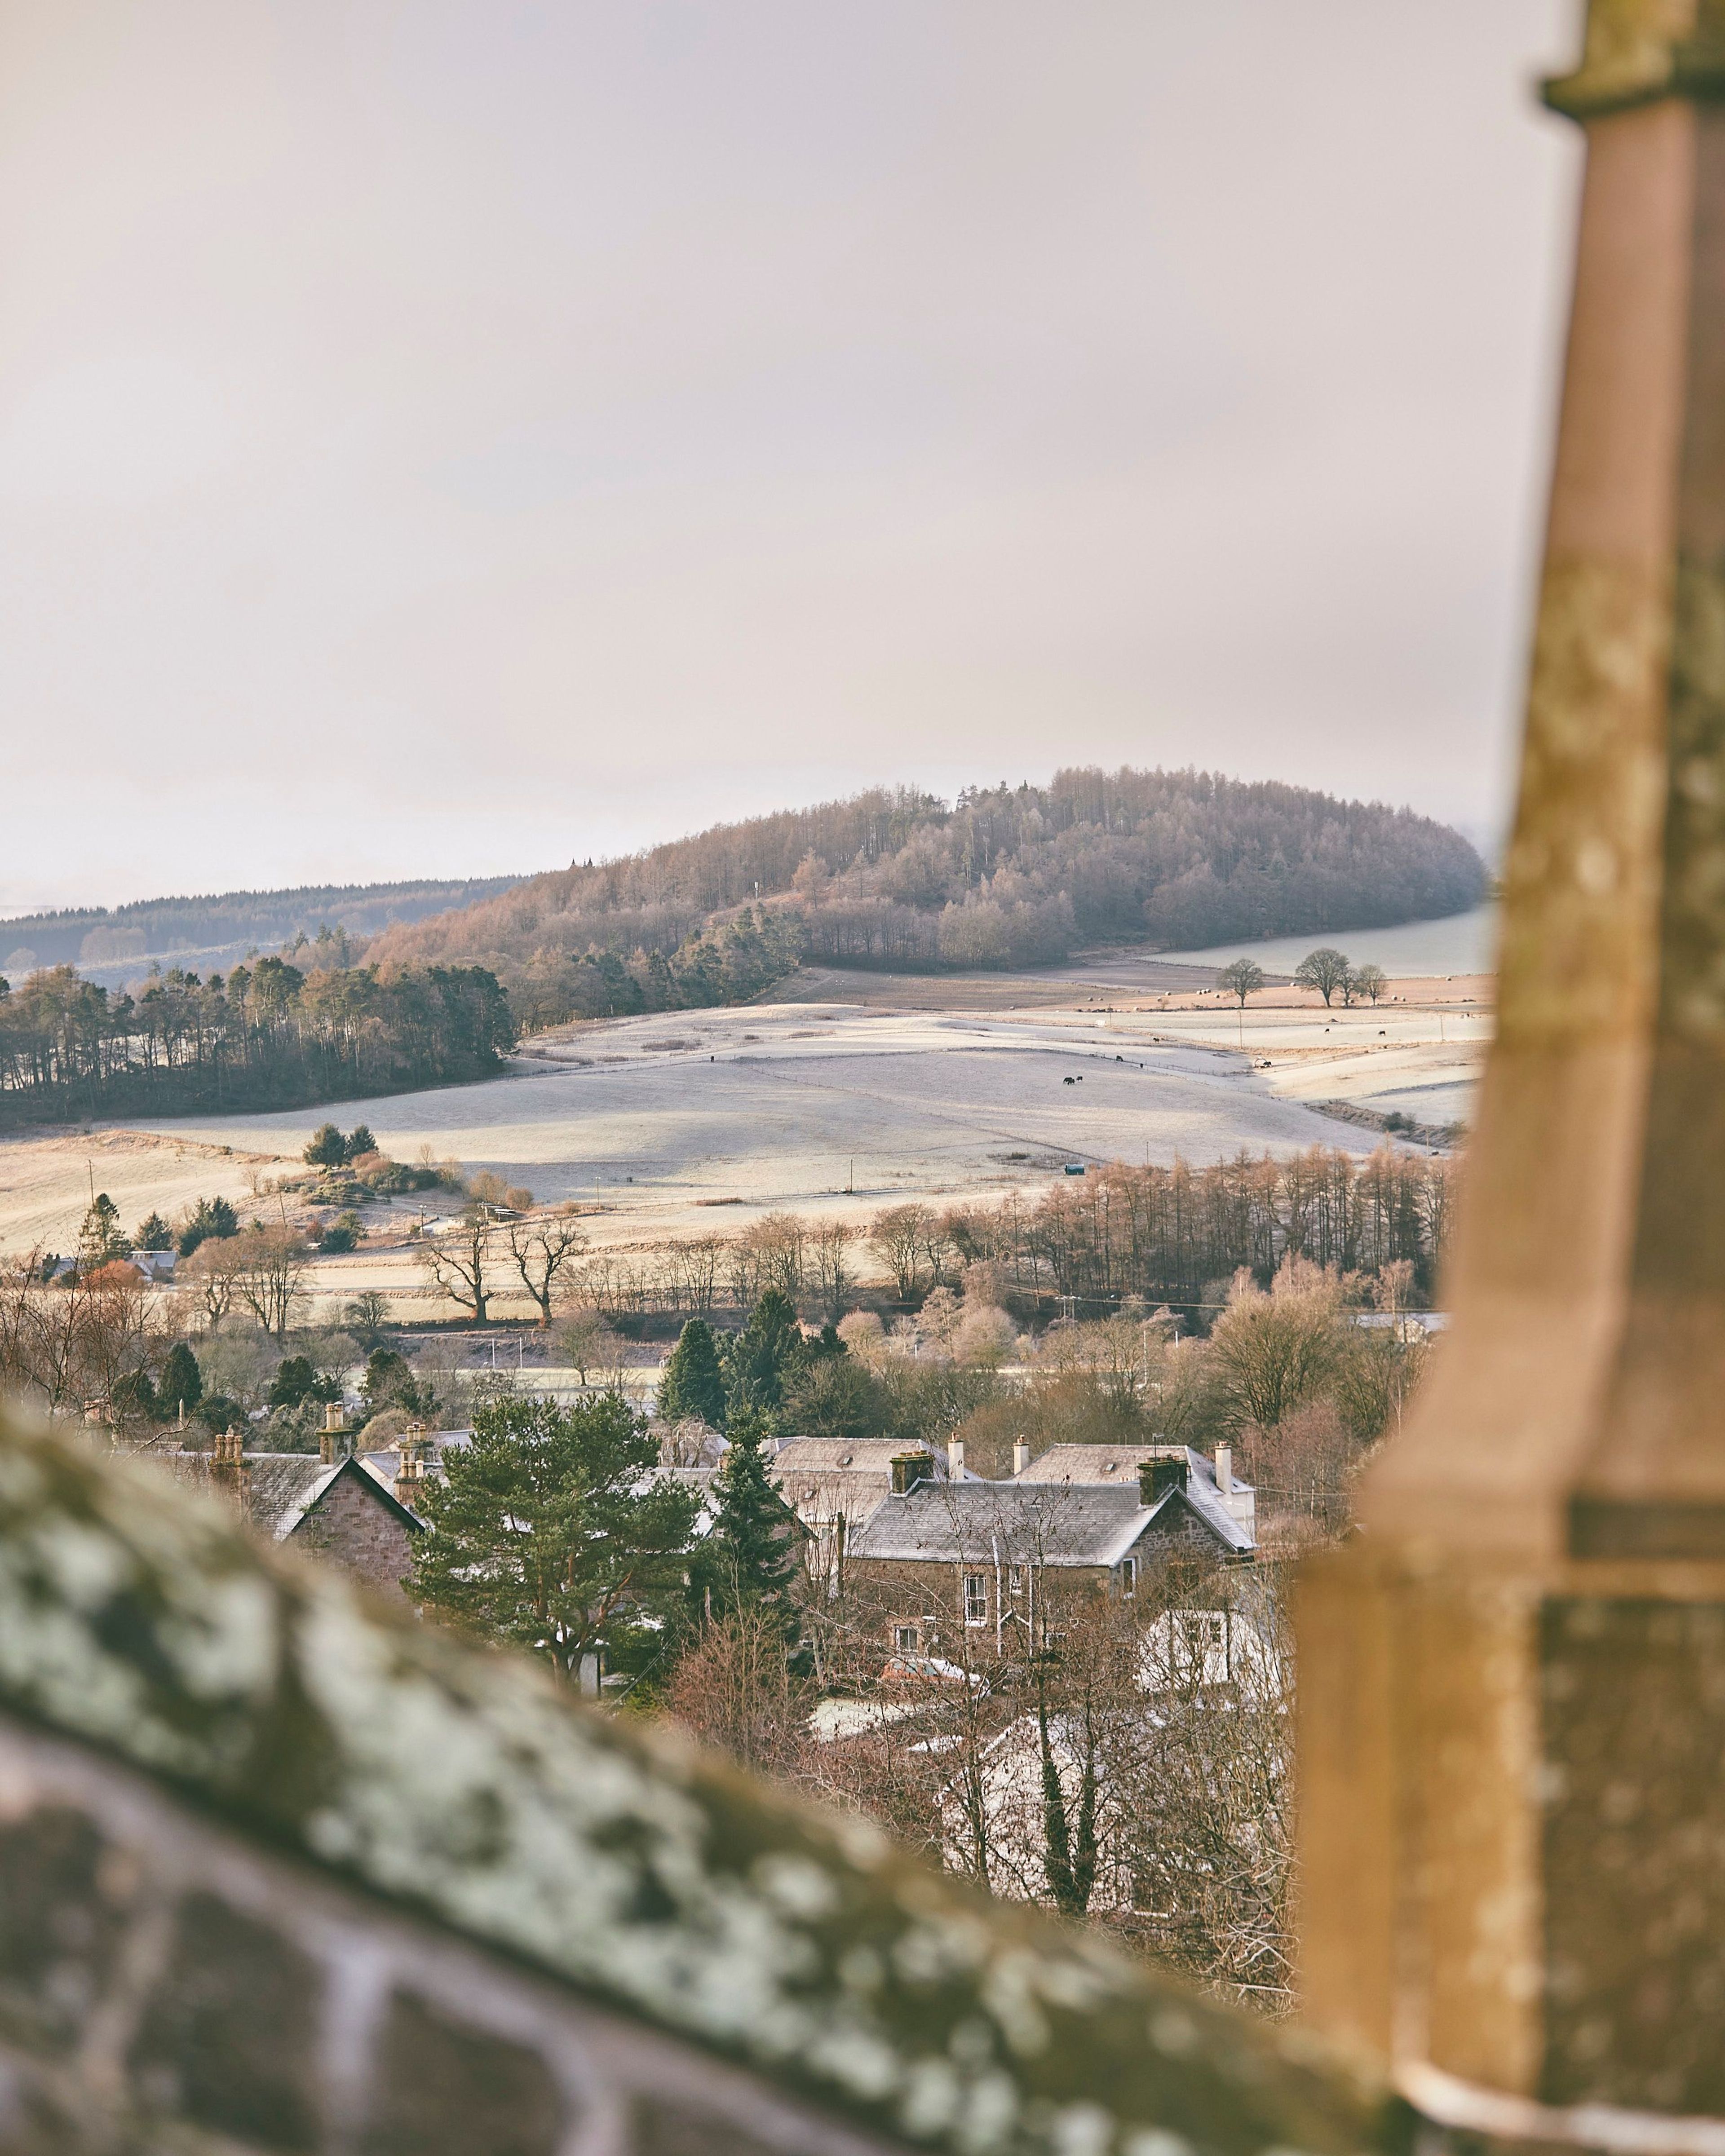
x=886, y=1593
x=283, y=1870
x=352, y=1527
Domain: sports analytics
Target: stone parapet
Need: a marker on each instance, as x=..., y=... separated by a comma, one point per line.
x=284, y=1869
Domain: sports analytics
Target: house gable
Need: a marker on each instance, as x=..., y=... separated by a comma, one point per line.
x=354, y=1521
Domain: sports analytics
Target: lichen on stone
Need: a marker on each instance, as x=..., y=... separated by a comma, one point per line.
x=140, y=1618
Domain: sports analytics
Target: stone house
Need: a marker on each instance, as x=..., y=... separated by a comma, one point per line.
x=834, y=1485
x=1209, y=1484
x=340, y=1509
x=968, y=1570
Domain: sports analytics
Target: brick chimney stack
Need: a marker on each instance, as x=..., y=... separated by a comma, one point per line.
x=1020, y=1456
x=955, y=1459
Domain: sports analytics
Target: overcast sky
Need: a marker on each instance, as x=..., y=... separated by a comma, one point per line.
x=446, y=437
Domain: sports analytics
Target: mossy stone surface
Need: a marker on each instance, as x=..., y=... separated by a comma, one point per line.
x=142, y=1620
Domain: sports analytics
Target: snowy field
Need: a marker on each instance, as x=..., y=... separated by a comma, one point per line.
x=694, y=1122
x=765, y=1107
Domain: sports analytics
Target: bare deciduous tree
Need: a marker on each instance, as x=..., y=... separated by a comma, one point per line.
x=268, y=1276
x=543, y=1246
x=68, y=1344
x=1242, y=978
x=900, y=1239
x=737, y=1689
x=829, y=1250
x=463, y=1262
x=1326, y=969
x=1269, y=1353
x=587, y=1341
x=211, y=1273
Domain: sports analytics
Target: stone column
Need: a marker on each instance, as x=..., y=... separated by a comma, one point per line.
x=1512, y=1712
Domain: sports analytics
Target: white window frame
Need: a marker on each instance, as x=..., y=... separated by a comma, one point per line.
x=1198, y=1634
x=1128, y=1577
x=907, y=1639
x=973, y=1595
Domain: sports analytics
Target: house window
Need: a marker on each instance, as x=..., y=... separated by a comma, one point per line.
x=976, y=1597
x=1200, y=1638
x=907, y=1639
x=1128, y=1577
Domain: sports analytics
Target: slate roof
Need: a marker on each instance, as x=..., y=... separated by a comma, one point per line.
x=850, y=1456
x=1116, y=1466
x=1047, y=1523
x=853, y=1473
x=385, y=1460
x=284, y=1486
x=699, y=1480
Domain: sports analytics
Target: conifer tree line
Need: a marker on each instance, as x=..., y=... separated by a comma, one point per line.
x=268, y=1035
x=1004, y=876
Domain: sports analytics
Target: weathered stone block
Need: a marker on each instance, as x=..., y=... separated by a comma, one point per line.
x=671, y=2129
x=1634, y=1715
x=446, y=2088
x=57, y=1927
x=230, y=2038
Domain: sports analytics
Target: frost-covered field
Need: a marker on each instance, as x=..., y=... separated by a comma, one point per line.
x=702, y=1119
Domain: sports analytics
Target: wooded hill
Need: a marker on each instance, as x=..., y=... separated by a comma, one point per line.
x=267, y=1036
x=1006, y=877
x=105, y=943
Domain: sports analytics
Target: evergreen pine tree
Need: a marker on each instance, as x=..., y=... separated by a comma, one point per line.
x=765, y=1355
x=100, y=1238
x=550, y=1530
x=182, y=1381
x=750, y=1558
x=153, y=1234
x=692, y=1384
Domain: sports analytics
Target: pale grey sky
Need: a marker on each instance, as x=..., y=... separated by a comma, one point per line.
x=447, y=436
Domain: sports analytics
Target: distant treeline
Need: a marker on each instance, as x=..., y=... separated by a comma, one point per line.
x=103, y=934
x=267, y=1036
x=1174, y=1234
x=1007, y=877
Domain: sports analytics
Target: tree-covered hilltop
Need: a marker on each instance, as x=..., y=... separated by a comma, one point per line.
x=220, y=929
x=267, y=1036
x=1007, y=877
